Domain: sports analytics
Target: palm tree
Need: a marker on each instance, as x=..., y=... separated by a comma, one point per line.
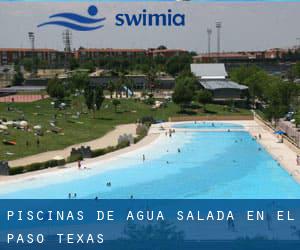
x=111, y=88
x=151, y=79
x=121, y=81
x=116, y=103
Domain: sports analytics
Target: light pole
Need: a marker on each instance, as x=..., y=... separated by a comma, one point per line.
x=218, y=26
x=298, y=42
x=32, y=40
x=209, y=31
x=67, y=40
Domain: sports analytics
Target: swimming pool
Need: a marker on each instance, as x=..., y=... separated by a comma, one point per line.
x=209, y=165
x=208, y=125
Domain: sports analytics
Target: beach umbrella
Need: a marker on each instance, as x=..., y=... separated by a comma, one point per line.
x=23, y=124
x=58, y=158
x=279, y=132
x=3, y=127
x=37, y=127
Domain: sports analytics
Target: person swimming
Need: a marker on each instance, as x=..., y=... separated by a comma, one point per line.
x=178, y=150
x=144, y=157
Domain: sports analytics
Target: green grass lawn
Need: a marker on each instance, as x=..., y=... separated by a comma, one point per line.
x=83, y=129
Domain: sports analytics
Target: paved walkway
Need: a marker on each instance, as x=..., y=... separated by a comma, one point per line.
x=109, y=139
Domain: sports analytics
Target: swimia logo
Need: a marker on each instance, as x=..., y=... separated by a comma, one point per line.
x=150, y=19
x=88, y=23
x=75, y=21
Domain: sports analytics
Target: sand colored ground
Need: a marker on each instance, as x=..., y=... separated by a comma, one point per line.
x=110, y=139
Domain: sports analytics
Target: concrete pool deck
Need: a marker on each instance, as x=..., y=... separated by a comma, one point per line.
x=284, y=153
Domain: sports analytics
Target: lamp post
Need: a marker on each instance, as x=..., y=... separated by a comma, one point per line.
x=298, y=42
x=31, y=37
x=209, y=31
x=218, y=26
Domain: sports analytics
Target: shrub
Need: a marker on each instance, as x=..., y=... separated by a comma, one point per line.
x=36, y=166
x=149, y=101
x=74, y=157
x=98, y=152
x=141, y=129
x=123, y=144
x=16, y=170
x=147, y=119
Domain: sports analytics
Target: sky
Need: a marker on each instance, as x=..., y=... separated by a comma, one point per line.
x=245, y=26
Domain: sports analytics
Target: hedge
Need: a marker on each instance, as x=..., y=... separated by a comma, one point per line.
x=103, y=151
x=73, y=158
x=36, y=166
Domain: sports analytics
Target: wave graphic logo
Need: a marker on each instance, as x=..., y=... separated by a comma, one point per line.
x=75, y=21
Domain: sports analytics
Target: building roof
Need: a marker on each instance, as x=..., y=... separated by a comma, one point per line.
x=168, y=50
x=26, y=50
x=209, y=70
x=221, y=84
x=110, y=50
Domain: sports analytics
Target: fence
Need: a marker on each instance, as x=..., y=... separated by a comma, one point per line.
x=211, y=118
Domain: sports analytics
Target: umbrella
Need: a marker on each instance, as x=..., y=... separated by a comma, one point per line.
x=58, y=158
x=37, y=127
x=23, y=124
x=3, y=127
x=279, y=132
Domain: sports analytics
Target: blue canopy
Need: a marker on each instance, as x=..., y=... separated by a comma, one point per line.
x=279, y=132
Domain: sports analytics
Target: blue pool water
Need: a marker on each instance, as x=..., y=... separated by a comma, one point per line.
x=203, y=1
x=210, y=165
x=208, y=125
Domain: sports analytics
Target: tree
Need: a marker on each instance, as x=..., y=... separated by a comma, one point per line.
x=89, y=65
x=18, y=78
x=74, y=64
x=79, y=80
x=119, y=84
x=55, y=89
x=177, y=64
x=184, y=91
x=161, y=47
x=94, y=98
x=111, y=88
x=116, y=103
x=151, y=79
x=204, y=97
x=296, y=70
x=28, y=64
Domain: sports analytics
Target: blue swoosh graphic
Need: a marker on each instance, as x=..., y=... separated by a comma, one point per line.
x=71, y=25
x=77, y=18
